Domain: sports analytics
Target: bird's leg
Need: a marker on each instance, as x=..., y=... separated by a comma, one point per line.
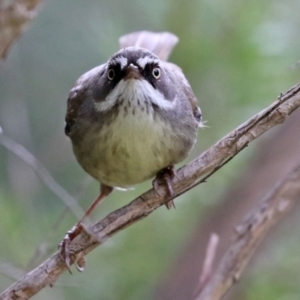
x=104, y=192
x=166, y=176
x=79, y=227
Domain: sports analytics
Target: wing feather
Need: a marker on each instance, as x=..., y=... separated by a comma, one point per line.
x=78, y=95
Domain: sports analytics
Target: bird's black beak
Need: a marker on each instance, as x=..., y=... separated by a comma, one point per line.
x=132, y=72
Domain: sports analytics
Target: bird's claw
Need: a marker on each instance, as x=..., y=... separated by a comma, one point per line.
x=165, y=176
x=64, y=248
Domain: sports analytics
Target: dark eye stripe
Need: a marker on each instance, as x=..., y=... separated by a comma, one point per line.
x=111, y=74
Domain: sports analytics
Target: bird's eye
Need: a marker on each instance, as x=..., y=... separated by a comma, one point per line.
x=111, y=74
x=156, y=72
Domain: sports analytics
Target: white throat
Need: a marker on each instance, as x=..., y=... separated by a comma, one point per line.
x=134, y=91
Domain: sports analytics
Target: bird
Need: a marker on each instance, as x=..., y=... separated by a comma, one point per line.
x=132, y=118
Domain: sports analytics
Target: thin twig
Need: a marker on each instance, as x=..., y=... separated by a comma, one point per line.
x=44, y=249
x=250, y=233
x=43, y=174
x=229, y=146
x=209, y=259
x=10, y=271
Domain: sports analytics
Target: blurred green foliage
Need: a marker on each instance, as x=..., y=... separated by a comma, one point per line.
x=237, y=56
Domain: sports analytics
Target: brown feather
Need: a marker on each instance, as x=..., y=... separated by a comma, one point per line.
x=75, y=100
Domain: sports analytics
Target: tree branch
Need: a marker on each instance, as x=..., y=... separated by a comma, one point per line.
x=20, y=151
x=250, y=233
x=209, y=259
x=188, y=176
x=13, y=20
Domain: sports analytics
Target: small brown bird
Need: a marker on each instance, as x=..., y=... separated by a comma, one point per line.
x=133, y=117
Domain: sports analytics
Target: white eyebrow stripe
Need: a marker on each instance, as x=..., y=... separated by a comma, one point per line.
x=121, y=60
x=146, y=60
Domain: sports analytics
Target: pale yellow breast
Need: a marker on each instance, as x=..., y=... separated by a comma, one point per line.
x=137, y=142
x=137, y=145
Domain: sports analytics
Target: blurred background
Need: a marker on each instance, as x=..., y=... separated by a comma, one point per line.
x=238, y=56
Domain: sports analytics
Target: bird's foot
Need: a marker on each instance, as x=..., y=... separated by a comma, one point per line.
x=165, y=176
x=64, y=247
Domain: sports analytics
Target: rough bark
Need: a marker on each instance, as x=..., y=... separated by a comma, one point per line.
x=274, y=157
x=187, y=177
x=250, y=233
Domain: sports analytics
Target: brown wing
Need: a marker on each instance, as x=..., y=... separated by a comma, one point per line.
x=78, y=95
x=161, y=43
x=194, y=103
x=187, y=90
x=75, y=100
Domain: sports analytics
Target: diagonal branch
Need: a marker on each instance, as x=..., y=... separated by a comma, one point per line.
x=190, y=175
x=250, y=233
